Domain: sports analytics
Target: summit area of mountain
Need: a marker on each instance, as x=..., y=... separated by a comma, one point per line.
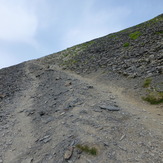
x=91, y=103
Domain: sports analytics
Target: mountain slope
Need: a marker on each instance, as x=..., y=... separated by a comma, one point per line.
x=50, y=112
x=127, y=58
x=134, y=52
x=52, y=115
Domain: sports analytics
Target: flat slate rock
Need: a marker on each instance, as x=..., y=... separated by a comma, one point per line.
x=110, y=108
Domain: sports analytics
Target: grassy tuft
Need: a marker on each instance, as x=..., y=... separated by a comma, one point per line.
x=156, y=19
x=87, y=149
x=126, y=44
x=112, y=35
x=159, y=32
x=147, y=82
x=135, y=35
x=154, y=97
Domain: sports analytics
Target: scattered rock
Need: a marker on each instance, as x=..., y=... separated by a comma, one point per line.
x=97, y=110
x=68, y=84
x=2, y=96
x=28, y=160
x=47, y=120
x=106, y=144
x=42, y=113
x=159, y=87
x=90, y=87
x=45, y=139
x=72, y=143
x=68, y=153
x=29, y=112
x=110, y=108
x=57, y=78
x=62, y=113
x=122, y=137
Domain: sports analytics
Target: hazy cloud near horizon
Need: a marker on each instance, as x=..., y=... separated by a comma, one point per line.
x=33, y=28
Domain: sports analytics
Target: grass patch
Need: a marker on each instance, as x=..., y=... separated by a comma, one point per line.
x=135, y=35
x=156, y=19
x=87, y=149
x=126, y=44
x=159, y=32
x=70, y=62
x=86, y=44
x=112, y=35
x=147, y=82
x=142, y=43
x=154, y=97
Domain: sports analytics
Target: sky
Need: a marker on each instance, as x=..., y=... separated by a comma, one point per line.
x=30, y=29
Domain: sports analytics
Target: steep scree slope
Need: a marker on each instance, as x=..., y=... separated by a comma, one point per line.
x=45, y=111
x=50, y=111
x=133, y=52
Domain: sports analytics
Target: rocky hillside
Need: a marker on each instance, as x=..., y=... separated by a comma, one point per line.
x=77, y=105
x=133, y=52
x=48, y=115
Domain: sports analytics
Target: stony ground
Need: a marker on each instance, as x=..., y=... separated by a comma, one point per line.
x=45, y=112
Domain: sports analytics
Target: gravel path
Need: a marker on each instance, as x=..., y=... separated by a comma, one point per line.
x=45, y=112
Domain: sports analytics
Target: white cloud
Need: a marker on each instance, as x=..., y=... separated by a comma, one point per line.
x=18, y=22
x=35, y=27
x=95, y=23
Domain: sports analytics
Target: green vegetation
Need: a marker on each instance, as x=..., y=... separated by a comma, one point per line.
x=124, y=30
x=141, y=25
x=126, y=44
x=142, y=43
x=69, y=62
x=154, y=97
x=87, y=149
x=147, y=82
x=159, y=32
x=72, y=57
x=86, y=44
x=112, y=35
x=152, y=21
x=156, y=19
x=135, y=35
x=68, y=56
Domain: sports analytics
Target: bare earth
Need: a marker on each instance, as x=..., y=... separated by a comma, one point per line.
x=55, y=110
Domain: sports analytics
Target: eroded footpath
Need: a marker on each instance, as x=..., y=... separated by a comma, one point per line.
x=51, y=111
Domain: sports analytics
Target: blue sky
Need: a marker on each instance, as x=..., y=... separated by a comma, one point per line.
x=30, y=29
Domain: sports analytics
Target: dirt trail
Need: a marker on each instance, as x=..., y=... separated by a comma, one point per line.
x=150, y=115
x=23, y=129
x=58, y=110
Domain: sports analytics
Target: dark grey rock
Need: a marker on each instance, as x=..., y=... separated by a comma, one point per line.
x=109, y=108
x=89, y=86
x=45, y=139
